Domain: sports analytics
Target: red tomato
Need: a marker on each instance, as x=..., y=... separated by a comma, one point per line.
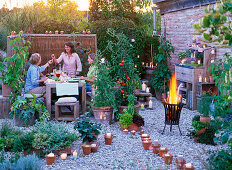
x=121, y=64
x=122, y=91
x=123, y=61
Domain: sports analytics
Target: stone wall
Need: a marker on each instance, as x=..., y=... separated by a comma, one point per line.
x=178, y=28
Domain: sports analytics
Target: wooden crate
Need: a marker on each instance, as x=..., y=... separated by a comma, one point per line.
x=4, y=107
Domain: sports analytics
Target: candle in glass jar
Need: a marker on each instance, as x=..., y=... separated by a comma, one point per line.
x=198, y=61
x=188, y=165
x=143, y=86
x=147, y=90
x=150, y=104
x=200, y=79
x=75, y=154
x=142, y=106
x=63, y=156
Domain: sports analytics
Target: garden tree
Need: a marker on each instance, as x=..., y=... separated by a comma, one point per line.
x=216, y=25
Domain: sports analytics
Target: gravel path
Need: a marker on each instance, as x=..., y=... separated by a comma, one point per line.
x=126, y=151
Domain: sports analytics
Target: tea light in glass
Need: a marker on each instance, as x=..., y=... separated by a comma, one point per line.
x=75, y=154
x=63, y=156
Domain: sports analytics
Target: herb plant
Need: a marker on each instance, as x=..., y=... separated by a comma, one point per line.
x=126, y=120
x=87, y=129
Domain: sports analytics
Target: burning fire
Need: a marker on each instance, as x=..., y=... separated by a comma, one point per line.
x=174, y=97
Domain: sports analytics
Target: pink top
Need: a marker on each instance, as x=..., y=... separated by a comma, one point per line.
x=71, y=64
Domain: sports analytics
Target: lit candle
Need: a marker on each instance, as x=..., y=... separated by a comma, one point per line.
x=212, y=61
x=138, y=56
x=167, y=154
x=142, y=106
x=204, y=46
x=108, y=135
x=156, y=142
x=75, y=154
x=133, y=132
x=146, y=64
x=51, y=155
x=180, y=157
x=162, y=149
x=150, y=104
x=125, y=131
x=143, y=86
x=205, y=79
x=93, y=145
x=150, y=64
x=104, y=118
x=200, y=79
x=101, y=117
x=188, y=165
x=135, y=66
x=198, y=61
x=146, y=141
x=143, y=63
x=213, y=51
x=142, y=131
x=147, y=90
x=63, y=156
x=144, y=135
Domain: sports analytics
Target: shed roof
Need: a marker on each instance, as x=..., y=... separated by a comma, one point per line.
x=167, y=6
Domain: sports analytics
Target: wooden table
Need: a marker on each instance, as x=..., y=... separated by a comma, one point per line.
x=50, y=86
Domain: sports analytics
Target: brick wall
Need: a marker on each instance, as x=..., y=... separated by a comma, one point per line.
x=178, y=28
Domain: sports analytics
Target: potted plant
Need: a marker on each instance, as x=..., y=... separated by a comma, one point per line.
x=131, y=116
x=161, y=73
x=13, y=69
x=88, y=130
x=204, y=107
x=182, y=55
x=26, y=111
x=104, y=99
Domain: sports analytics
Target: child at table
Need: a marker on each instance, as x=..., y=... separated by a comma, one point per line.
x=32, y=80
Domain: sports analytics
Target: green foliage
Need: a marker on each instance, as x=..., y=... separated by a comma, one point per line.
x=126, y=120
x=26, y=109
x=131, y=105
x=138, y=120
x=220, y=160
x=120, y=52
x=162, y=73
x=196, y=118
x=199, y=125
x=87, y=129
x=13, y=68
x=7, y=136
x=58, y=137
x=216, y=25
x=104, y=95
x=182, y=55
x=24, y=142
x=204, y=105
x=41, y=141
x=28, y=162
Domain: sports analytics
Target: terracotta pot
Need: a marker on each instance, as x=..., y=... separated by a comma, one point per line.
x=50, y=32
x=185, y=168
x=56, y=32
x=134, y=127
x=205, y=119
x=6, y=90
x=141, y=132
x=180, y=164
x=196, y=139
x=86, y=149
x=61, y=32
x=94, y=148
x=144, y=136
x=143, y=139
x=108, y=141
x=162, y=152
x=83, y=32
x=50, y=160
x=103, y=114
x=201, y=131
x=146, y=145
x=89, y=32
x=168, y=159
x=156, y=149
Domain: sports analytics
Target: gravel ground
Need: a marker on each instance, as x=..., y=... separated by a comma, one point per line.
x=126, y=151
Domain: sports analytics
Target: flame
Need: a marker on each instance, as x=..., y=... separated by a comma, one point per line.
x=174, y=97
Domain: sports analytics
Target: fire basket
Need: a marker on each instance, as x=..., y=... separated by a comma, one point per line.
x=172, y=115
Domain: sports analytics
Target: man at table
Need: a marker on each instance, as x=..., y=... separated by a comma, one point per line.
x=72, y=63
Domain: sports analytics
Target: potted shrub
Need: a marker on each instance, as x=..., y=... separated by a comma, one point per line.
x=204, y=108
x=126, y=120
x=88, y=130
x=26, y=111
x=13, y=69
x=161, y=73
x=104, y=99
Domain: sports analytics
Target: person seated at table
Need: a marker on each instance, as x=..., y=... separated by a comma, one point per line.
x=72, y=63
x=32, y=80
x=91, y=75
x=29, y=64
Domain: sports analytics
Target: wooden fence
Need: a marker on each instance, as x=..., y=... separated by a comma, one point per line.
x=47, y=44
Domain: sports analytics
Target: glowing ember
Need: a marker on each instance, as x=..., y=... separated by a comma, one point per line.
x=174, y=97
